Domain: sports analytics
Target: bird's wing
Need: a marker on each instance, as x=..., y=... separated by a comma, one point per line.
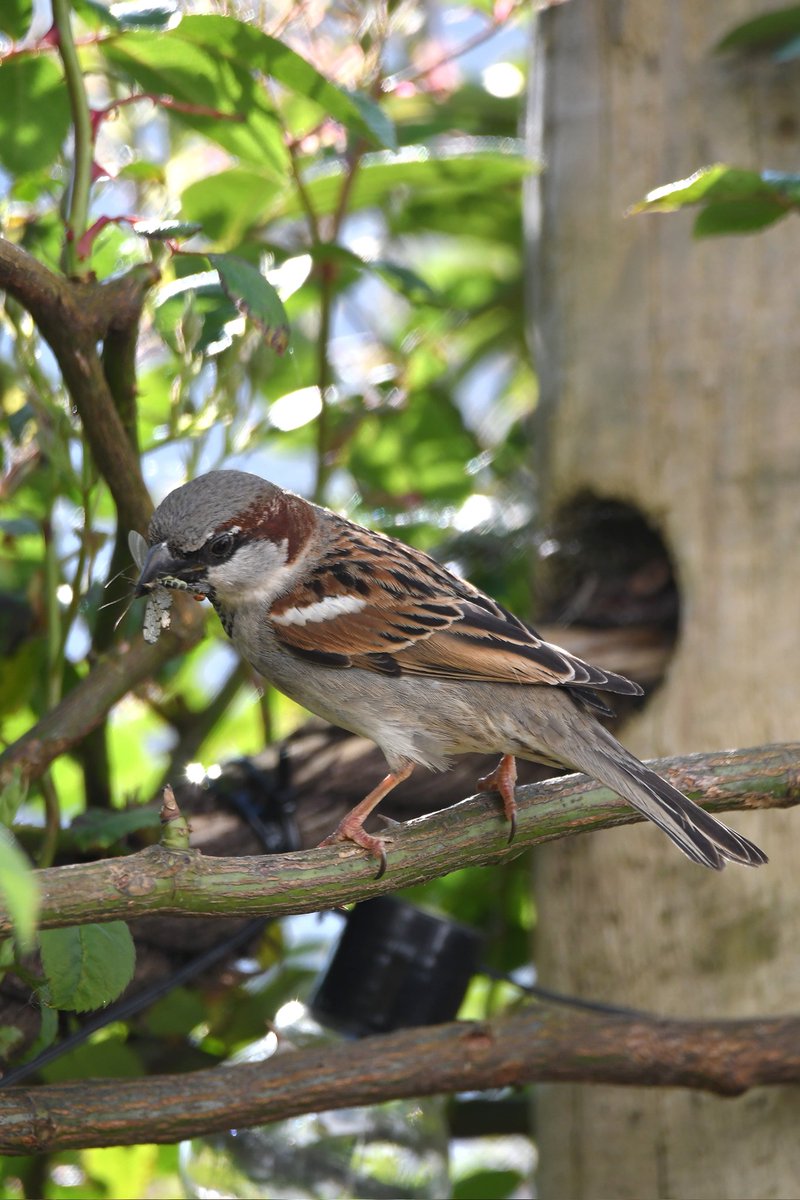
x=374, y=603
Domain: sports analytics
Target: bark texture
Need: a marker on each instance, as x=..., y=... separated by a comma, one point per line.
x=540, y=1042
x=668, y=371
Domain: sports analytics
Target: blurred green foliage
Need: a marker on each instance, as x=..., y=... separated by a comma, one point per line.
x=330, y=178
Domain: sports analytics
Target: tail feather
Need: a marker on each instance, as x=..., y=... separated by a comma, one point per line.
x=700, y=836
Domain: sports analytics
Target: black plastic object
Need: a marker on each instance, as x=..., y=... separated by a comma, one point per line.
x=264, y=798
x=395, y=966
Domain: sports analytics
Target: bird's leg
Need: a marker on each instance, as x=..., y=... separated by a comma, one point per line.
x=351, y=827
x=503, y=780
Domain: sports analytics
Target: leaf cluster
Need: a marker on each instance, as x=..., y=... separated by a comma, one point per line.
x=733, y=199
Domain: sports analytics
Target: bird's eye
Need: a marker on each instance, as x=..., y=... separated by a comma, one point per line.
x=221, y=546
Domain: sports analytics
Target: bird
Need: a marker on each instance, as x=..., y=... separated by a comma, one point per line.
x=381, y=639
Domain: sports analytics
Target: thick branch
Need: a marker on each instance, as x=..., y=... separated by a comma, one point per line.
x=543, y=1043
x=472, y=833
x=73, y=316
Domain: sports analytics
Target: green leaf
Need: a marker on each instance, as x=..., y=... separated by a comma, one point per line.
x=143, y=171
x=405, y=281
x=87, y=966
x=34, y=113
x=766, y=32
x=379, y=128
x=226, y=205
x=718, y=182
x=223, y=100
x=12, y=796
x=100, y=828
x=48, y=1029
x=462, y=167
x=250, y=47
x=166, y=231
x=108, y=1056
x=176, y=1014
x=486, y=1185
x=19, y=889
x=202, y=283
x=94, y=15
x=254, y=296
x=737, y=216
x=139, y=14
x=232, y=202
x=415, y=451
x=15, y=18
x=127, y=1172
x=349, y=266
x=10, y=1038
x=735, y=200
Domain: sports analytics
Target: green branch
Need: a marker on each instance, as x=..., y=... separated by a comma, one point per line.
x=83, y=150
x=472, y=833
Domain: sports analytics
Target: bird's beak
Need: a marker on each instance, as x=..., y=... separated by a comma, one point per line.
x=161, y=567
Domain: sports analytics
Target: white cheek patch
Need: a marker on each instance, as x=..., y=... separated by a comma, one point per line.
x=321, y=610
x=255, y=574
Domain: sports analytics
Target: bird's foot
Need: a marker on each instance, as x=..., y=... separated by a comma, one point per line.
x=351, y=828
x=354, y=831
x=503, y=780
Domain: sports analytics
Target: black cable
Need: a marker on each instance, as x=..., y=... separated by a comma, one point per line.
x=541, y=993
x=122, y=1009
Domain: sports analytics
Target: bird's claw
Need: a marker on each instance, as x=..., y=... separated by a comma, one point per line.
x=355, y=833
x=503, y=780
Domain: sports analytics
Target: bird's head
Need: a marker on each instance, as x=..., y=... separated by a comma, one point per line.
x=228, y=535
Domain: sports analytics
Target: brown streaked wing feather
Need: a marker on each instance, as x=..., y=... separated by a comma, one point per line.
x=420, y=619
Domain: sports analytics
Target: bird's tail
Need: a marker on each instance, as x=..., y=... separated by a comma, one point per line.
x=700, y=836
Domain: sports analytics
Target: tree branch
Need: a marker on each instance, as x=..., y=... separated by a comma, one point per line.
x=73, y=316
x=541, y=1043
x=472, y=833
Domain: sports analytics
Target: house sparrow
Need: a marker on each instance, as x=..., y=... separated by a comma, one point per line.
x=381, y=639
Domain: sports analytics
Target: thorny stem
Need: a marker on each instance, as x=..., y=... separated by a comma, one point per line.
x=327, y=279
x=323, y=335
x=52, y=809
x=353, y=163
x=52, y=822
x=302, y=193
x=51, y=582
x=88, y=482
x=78, y=212
x=323, y=380
x=200, y=110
